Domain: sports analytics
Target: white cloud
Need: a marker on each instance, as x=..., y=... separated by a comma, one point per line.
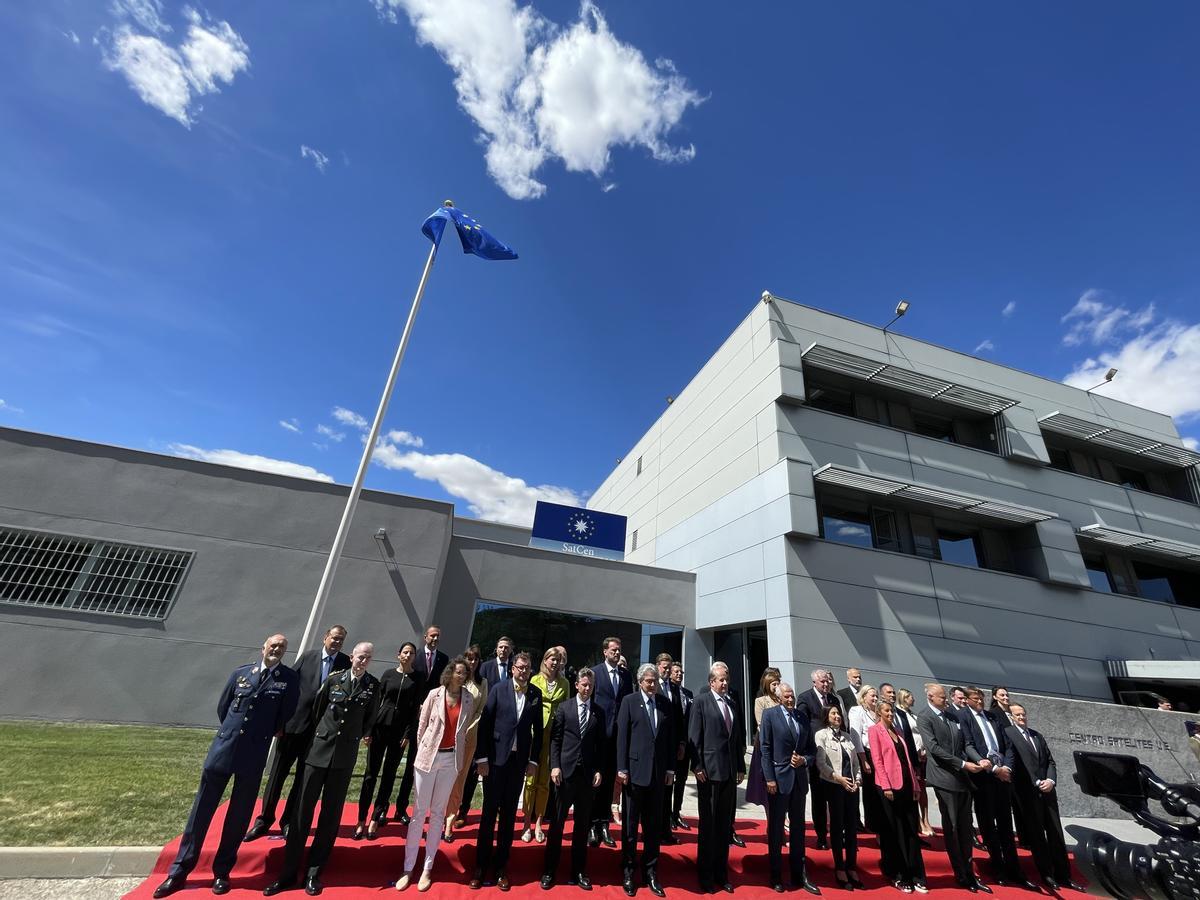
x=72, y=37
x=336, y=436
x=611, y=186
x=984, y=346
x=319, y=159
x=1191, y=443
x=1009, y=308
x=292, y=425
x=349, y=417
x=489, y=494
x=403, y=438
x=540, y=92
x=1094, y=320
x=9, y=408
x=852, y=531
x=248, y=461
x=1158, y=363
x=171, y=78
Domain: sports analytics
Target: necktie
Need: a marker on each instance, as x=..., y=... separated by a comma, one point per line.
x=993, y=750
x=353, y=684
x=583, y=717
x=791, y=717
x=503, y=667
x=262, y=676
x=725, y=712
x=428, y=660
x=1029, y=737
x=326, y=665
x=650, y=713
x=613, y=674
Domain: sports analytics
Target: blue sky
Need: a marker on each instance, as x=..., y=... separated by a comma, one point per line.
x=209, y=214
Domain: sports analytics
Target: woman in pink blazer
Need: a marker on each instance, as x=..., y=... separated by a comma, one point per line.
x=441, y=754
x=897, y=782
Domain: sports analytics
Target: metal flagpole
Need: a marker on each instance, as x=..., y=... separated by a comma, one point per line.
x=339, y=540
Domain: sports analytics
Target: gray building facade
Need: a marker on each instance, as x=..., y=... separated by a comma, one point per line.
x=131, y=583
x=848, y=496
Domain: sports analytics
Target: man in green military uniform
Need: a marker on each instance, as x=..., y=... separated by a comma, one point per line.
x=344, y=709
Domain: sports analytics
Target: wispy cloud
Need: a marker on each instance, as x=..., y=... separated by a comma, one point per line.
x=984, y=346
x=349, y=417
x=319, y=159
x=539, y=92
x=335, y=436
x=171, y=78
x=1009, y=308
x=489, y=494
x=292, y=425
x=9, y=408
x=402, y=438
x=1158, y=359
x=248, y=461
x=72, y=37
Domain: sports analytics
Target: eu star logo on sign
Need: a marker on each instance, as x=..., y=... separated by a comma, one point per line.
x=583, y=532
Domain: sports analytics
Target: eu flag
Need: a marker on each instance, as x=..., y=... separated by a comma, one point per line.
x=473, y=236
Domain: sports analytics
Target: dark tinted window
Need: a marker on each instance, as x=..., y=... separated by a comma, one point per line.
x=936, y=427
x=1098, y=575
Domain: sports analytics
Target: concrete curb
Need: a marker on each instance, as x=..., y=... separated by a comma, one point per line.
x=77, y=862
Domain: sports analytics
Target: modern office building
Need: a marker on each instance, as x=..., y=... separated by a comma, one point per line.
x=848, y=496
x=132, y=583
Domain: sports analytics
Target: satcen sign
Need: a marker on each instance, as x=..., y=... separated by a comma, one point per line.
x=582, y=532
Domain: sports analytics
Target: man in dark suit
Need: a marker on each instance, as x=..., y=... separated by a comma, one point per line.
x=1034, y=778
x=788, y=753
x=717, y=746
x=849, y=694
x=312, y=668
x=576, y=742
x=683, y=764
x=946, y=772
x=666, y=687
x=508, y=749
x=496, y=669
x=345, y=710
x=613, y=685
x=269, y=690
x=646, y=750
x=993, y=792
x=958, y=703
x=814, y=702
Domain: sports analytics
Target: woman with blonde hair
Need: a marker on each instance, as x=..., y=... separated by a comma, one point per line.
x=896, y=779
x=477, y=687
x=554, y=690
x=441, y=755
x=838, y=753
x=862, y=717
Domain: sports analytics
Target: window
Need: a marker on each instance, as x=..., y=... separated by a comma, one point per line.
x=830, y=399
x=1060, y=459
x=87, y=575
x=634, y=541
x=846, y=526
x=1117, y=468
x=1132, y=478
x=1098, y=574
x=959, y=547
x=1153, y=582
x=937, y=427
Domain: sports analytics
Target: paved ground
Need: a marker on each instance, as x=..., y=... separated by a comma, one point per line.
x=67, y=889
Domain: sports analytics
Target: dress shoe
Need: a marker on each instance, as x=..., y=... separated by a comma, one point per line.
x=605, y=838
x=313, y=886
x=655, y=887
x=630, y=890
x=593, y=836
x=727, y=888
x=920, y=887
x=1075, y=886
x=806, y=884
x=978, y=844
x=968, y=886
x=404, y=881
x=980, y=886
x=581, y=881
x=220, y=886
x=777, y=887
x=476, y=881
x=1050, y=883
x=822, y=844
x=502, y=881
x=547, y=882
x=403, y=818
x=668, y=838
x=169, y=886
x=425, y=882
x=257, y=830
x=278, y=887
x=855, y=881
x=735, y=840
x=677, y=822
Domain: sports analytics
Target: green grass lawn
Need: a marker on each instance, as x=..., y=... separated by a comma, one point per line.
x=100, y=785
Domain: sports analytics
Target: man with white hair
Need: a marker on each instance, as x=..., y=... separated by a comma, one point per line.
x=717, y=745
x=788, y=754
x=344, y=710
x=815, y=702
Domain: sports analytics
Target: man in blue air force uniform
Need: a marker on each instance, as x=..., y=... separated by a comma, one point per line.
x=257, y=701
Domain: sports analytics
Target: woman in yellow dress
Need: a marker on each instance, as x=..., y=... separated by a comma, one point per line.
x=537, y=786
x=477, y=687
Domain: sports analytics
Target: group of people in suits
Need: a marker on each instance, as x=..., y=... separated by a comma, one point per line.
x=565, y=747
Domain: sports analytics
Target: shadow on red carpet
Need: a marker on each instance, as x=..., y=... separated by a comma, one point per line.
x=359, y=868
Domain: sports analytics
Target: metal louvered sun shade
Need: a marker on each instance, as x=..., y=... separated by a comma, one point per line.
x=918, y=383
x=1141, y=542
x=1095, y=433
x=982, y=507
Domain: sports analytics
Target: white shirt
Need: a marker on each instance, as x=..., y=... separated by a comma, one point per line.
x=860, y=721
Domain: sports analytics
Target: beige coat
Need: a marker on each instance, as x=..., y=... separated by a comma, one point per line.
x=432, y=724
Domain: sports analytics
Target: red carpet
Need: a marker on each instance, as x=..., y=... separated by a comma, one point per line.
x=366, y=867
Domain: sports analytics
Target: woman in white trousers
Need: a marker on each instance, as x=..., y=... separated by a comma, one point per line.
x=441, y=754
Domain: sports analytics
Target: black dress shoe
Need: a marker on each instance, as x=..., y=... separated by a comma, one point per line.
x=677, y=822
x=547, y=882
x=735, y=840
x=807, y=885
x=1050, y=883
x=257, y=830
x=605, y=838
x=980, y=886
x=822, y=844
x=220, y=886
x=502, y=881
x=581, y=881
x=313, y=886
x=1075, y=886
x=403, y=818
x=630, y=890
x=169, y=886
x=278, y=887
x=777, y=887
x=655, y=887
x=593, y=836
x=727, y=888
x=476, y=881
x=669, y=838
